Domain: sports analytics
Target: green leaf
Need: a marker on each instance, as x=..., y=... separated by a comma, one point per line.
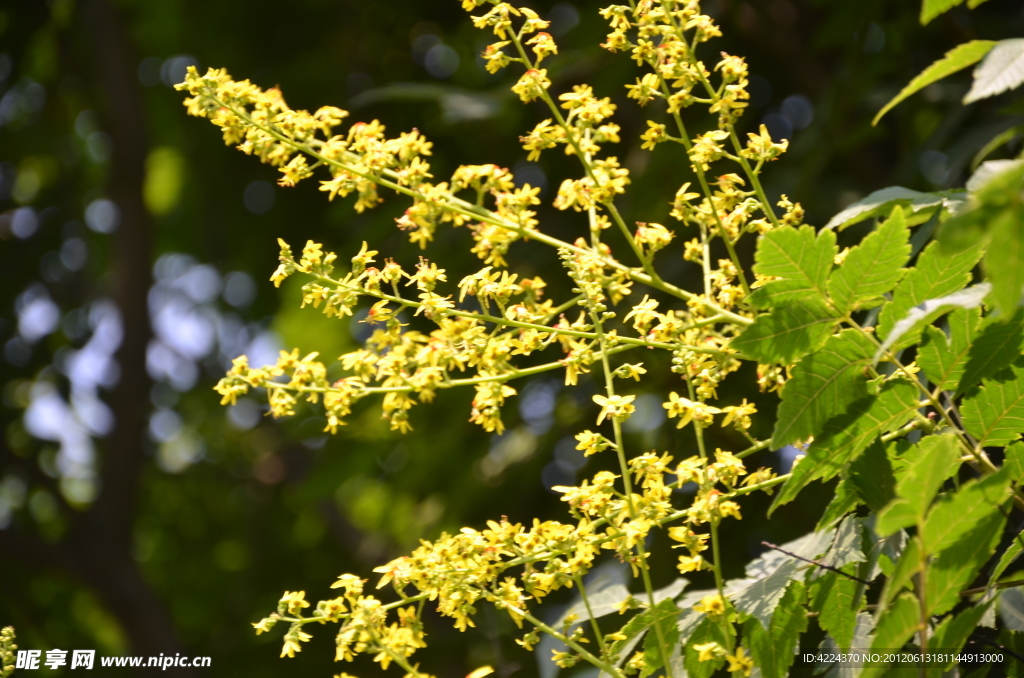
x=872, y=477
x=997, y=345
x=664, y=618
x=760, y=597
x=937, y=273
x=1013, y=461
x=1011, y=554
x=873, y=267
x=822, y=386
x=994, y=414
x=707, y=632
x=1002, y=69
x=896, y=627
x=908, y=565
x=1004, y=258
x=929, y=311
x=956, y=59
x=958, y=513
x=933, y=8
x=773, y=649
x=844, y=501
x=602, y=602
x=835, y=599
x=955, y=568
x=881, y=202
x=936, y=458
x=943, y=360
x=799, y=256
x=787, y=333
x=846, y=435
x=953, y=632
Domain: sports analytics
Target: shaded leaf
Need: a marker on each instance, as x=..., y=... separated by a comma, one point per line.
x=664, y=618
x=873, y=267
x=848, y=546
x=956, y=59
x=908, y=565
x=954, y=631
x=935, y=460
x=944, y=359
x=871, y=476
x=835, y=599
x=994, y=414
x=787, y=333
x=1004, y=258
x=895, y=628
x=773, y=649
x=797, y=255
x=1002, y=69
x=862, y=637
x=933, y=8
x=603, y=601
x=1011, y=608
x=810, y=546
x=998, y=345
x=822, y=386
x=937, y=273
x=844, y=501
x=955, y=568
x=846, y=435
x=1011, y=554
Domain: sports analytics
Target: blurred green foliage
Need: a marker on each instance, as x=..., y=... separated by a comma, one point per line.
x=233, y=508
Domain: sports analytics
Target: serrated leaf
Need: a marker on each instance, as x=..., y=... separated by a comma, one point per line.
x=944, y=359
x=953, y=631
x=930, y=310
x=1004, y=258
x=881, y=202
x=631, y=633
x=797, y=255
x=773, y=649
x=664, y=617
x=873, y=267
x=822, y=386
x=1002, y=69
x=935, y=460
x=871, y=476
x=603, y=601
x=1011, y=554
x=994, y=414
x=845, y=436
x=835, y=599
x=884, y=552
x=908, y=565
x=897, y=625
x=862, y=637
x=955, y=568
x=707, y=631
x=956, y=59
x=787, y=333
x=779, y=293
x=998, y=345
x=936, y=274
x=958, y=513
x=760, y=598
x=1013, y=461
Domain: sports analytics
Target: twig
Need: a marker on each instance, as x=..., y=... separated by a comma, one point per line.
x=815, y=562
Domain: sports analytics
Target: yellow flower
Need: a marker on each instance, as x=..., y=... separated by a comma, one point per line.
x=708, y=651
x=740, y=662
x=615, y=407
x=711, y=605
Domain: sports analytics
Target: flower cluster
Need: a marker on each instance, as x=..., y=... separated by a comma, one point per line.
x=431, y=333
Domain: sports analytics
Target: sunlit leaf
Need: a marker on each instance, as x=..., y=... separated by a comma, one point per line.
x=1002, y=70
x=956, y=59
x=995, y=413
x=787, y=333
x=773, y=648
x=873, y=267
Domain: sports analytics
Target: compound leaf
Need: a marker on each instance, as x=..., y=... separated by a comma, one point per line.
x=835, y=598
x=955, y=568
x=936, y=458
x=958, y=513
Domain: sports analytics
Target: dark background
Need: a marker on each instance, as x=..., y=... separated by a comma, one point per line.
x=137, y=516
